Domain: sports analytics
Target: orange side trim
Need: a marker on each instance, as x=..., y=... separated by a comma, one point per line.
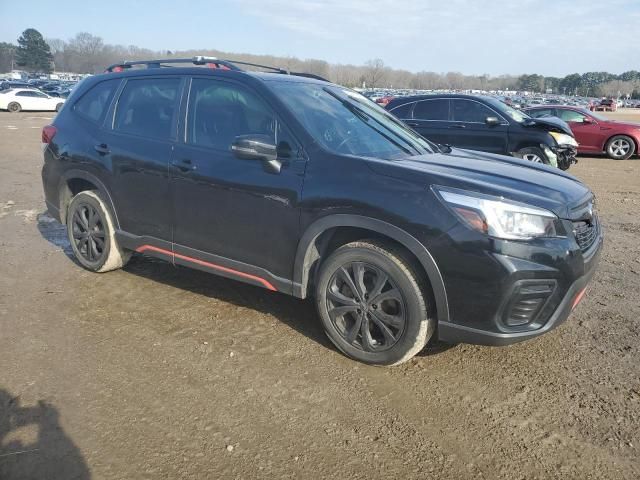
x=578, y=298
x=213, y=266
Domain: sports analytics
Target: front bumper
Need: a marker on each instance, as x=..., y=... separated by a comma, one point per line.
x=456, y=333
x=484, y=288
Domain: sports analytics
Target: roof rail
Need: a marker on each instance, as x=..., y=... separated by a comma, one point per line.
x=202, y=60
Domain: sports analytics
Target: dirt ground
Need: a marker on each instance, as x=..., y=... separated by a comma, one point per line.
x=161, y=372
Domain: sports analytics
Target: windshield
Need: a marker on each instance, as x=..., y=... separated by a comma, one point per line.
x=346, y=122
x=513, y=113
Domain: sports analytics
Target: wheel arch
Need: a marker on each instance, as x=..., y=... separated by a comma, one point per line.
x=73, y=182
x=316, y=242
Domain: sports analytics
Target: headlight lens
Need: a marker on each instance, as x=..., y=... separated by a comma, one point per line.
x=498, y=217
x=564, y=139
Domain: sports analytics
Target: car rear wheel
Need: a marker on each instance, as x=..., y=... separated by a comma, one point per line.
x=59, y=106
x=372, y=303
x=14, y=107
x=533, y=154
x=620, y=147
x=91, y=233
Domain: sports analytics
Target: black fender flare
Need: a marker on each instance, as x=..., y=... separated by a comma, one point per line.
x=83, y=174
x=306, y=251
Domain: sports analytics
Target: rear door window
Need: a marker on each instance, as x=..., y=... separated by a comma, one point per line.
x=436, y=109
x=148, y=107
x=542, y=112
x=93, y=105
x=470, y=111
x=571, y=116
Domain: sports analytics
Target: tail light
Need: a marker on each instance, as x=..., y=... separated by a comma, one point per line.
x=48, y=132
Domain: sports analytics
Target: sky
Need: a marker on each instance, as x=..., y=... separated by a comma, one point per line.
x=549, y=37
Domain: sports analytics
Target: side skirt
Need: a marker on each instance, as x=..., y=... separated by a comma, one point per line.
x=207, y=262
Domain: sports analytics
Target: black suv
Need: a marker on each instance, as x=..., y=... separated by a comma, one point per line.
x=307, y=188
x=489, y=125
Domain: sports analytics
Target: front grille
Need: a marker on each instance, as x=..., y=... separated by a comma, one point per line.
x=586, y=232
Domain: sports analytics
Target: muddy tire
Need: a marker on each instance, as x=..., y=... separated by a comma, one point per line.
x=373, y=303
x=620, y=147
x=14, y=107
x=91, y=232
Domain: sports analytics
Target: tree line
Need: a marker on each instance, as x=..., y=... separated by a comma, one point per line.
x=87, y=53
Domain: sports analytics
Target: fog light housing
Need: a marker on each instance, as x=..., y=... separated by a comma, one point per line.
x=527, y=301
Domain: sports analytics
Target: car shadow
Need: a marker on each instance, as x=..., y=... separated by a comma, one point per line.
x=298, y=314
x=33, y=445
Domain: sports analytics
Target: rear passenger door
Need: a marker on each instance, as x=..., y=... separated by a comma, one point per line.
x=138, y=144
x=229, y=212
x=469, y=127
x=431, y=120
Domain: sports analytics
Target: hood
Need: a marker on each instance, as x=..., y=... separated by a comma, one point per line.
x=552, y=124
x=513, y=178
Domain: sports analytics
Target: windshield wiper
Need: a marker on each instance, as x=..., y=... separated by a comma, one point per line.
x=361, y=114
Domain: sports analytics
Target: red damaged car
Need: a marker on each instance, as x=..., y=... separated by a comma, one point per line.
x=594, y=132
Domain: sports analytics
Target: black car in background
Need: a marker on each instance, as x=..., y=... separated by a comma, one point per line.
x=487, y=124
x=303, y=187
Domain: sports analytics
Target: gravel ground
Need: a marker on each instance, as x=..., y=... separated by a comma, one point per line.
x=162, y=372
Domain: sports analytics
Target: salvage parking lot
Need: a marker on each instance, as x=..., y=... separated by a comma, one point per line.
x=156, y=371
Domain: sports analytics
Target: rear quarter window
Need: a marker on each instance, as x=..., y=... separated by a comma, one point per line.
x=402, y=111
x=93, y=105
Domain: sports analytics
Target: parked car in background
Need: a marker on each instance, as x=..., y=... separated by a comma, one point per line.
x=9, y=84
x=606, y=105
x=489, y=125
x=594, y=132
x=15, y=100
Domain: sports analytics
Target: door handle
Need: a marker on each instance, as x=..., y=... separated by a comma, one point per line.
x=184, y=165
x=457, y=125
x=413, y=124
x=101, y=148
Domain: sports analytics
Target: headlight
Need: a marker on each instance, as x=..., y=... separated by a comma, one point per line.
x=564, y=139
x=498, y=217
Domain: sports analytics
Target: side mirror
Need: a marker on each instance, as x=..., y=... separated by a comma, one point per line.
x=587, y=120
x=257, y=147
x=491, y=121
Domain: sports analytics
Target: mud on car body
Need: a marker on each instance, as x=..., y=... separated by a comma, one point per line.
x=303, y=187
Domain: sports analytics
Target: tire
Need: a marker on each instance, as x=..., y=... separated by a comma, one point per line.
x=59, y=106
x=386, y=328
x=14, y=107
x=620, y=147
x=92, y=234
x=533, y=154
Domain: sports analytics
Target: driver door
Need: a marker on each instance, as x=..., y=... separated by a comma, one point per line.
x=589, y=134
x=229, y=210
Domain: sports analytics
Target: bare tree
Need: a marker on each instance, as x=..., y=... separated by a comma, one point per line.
x=87, y=50
x=374, y=72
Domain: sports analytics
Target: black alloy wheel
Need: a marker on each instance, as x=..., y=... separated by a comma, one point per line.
x=88, y=232
x=366, y=307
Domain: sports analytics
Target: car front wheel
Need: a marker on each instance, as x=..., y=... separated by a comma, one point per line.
x=533, y=154
x=620, y=147
x=373, y=304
